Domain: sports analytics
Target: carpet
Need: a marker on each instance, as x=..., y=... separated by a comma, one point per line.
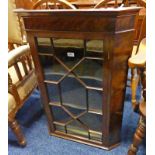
x=39, y=142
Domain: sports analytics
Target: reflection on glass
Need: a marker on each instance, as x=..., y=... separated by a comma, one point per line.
x=60, y=115
x=52, y=69
x=68, y=43
x=97, y=136
x=95, y=46
x=69, y=51
x=96, y=119
x=90, y=71
x=76, y=128
x=73, y=93
x=44, y=45
x=44, y=41
x=95, y=101
x=53, y=93
x=59, y=127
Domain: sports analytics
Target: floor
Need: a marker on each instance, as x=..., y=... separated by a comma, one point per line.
x=39, y=142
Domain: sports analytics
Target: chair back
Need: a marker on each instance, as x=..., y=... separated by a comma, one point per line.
x=14, y=29
x=108, y=3
x=135, y=2
x=53, y=4
x=140, y=25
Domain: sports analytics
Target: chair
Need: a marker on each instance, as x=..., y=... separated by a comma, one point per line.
x=138, y=60
x=137, y=63
x=141, y=106
x=21, y=73
x=21, y=82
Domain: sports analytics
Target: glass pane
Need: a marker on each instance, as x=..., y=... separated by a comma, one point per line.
x=90, y=72
x=60, y=115
x=95, y=101
x=68, y=43
x=73, y=93
x=76, y=128
x=60, y=128
x=52, y=69
x=69, y=51
x=97, y=136
x=94, y=48
x=44, y=45
x=44, y=41
x=93, y=121
x=53, y=93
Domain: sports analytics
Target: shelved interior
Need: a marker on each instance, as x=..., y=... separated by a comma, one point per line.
x=73, y=75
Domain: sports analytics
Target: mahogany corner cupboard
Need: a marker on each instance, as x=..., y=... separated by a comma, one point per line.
x=81, y=61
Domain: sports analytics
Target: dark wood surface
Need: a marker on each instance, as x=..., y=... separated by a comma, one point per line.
x=116, y=29
x=87, y=4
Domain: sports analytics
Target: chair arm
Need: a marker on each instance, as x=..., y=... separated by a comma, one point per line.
x=16, y=53
x=13, y=57
x=12, y=89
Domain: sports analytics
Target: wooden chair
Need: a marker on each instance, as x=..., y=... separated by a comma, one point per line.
x=21, y=74
x=140, y=33
x=53, y=4
x=141, y=127
x=138, y=60
x=21, y=82
x=137, y=63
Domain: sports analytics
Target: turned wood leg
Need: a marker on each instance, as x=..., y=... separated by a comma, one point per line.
x=138, y=136
x=18, y=132
x=134, y=83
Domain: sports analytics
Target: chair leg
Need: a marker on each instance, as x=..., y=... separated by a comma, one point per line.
x=134, y=83
x=138, y=136
x=18, y=132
